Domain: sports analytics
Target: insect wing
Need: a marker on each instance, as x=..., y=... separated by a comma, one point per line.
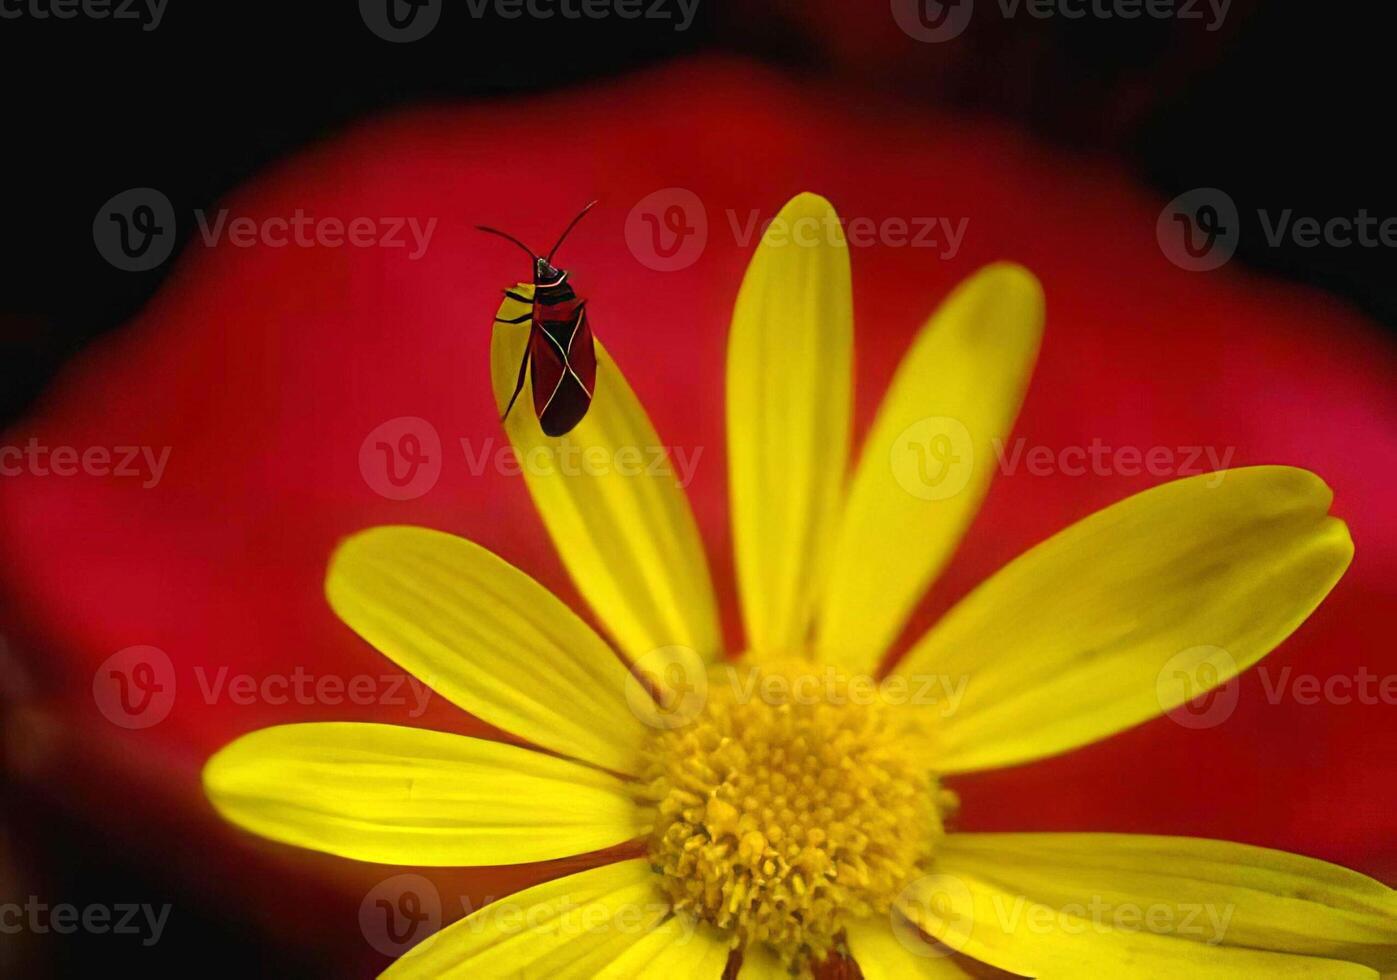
x=564, y=371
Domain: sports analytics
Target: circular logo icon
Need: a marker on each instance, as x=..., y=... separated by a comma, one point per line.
x=401, y=459
x=679, y=679
x=400, y=21
x=135, y=687
x=1199, y=230
x=1198, y=687
x=135, y=230
x=399, y=913
x=938, y=906
x=667, y=230
x=933, y=21
x=933, y=458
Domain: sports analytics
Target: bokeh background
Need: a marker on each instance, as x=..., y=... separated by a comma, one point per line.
x=1279, y=105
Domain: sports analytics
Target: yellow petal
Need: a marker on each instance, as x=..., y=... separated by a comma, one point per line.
x=681, y=949
x=928, y=459
x=613, y=503
x=396, y=795
x=760, y=963
x=1068, y=905
x=881, y=956
x=1131, y=612
x=568, y=928
x=487, y=637
x=788, y=393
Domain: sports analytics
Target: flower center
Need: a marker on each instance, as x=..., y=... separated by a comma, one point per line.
x=795, y=800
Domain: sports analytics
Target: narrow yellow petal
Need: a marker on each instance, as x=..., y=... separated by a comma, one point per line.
x=568, y=928
x=487, y=637
x=396, y=795
x=788, y=395
x=1069, y=905
x=760, y=963
x=881, y=956
x=681, y=949
x=1131, y=612
x=1262, y=898
x=613, y=503
x=928, y=460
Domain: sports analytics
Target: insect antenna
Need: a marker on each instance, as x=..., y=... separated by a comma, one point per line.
x=571, y=224
x=496, y=231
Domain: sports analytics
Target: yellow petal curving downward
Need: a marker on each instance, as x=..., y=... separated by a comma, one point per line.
x=488, y=638
x=614, y=506
x=568, y=928
x=681, y=949
x=1131, y=612
x=1067, y=905
x=881, y=956
x=396, y=795
x=928, y=460
x=788, y=393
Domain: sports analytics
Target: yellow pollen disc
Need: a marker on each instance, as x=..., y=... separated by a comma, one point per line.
x=795, y=801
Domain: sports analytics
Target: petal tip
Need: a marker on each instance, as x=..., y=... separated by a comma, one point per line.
x=1014, y=279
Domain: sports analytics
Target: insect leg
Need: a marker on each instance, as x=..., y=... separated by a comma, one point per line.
x=518, y=385
x=518, y=319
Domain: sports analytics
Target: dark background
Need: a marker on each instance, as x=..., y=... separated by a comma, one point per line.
x=1289, y=106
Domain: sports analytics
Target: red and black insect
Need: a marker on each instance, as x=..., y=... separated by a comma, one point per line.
x=560, y=348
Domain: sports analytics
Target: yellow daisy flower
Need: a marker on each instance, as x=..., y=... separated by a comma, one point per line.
x=789, y=801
